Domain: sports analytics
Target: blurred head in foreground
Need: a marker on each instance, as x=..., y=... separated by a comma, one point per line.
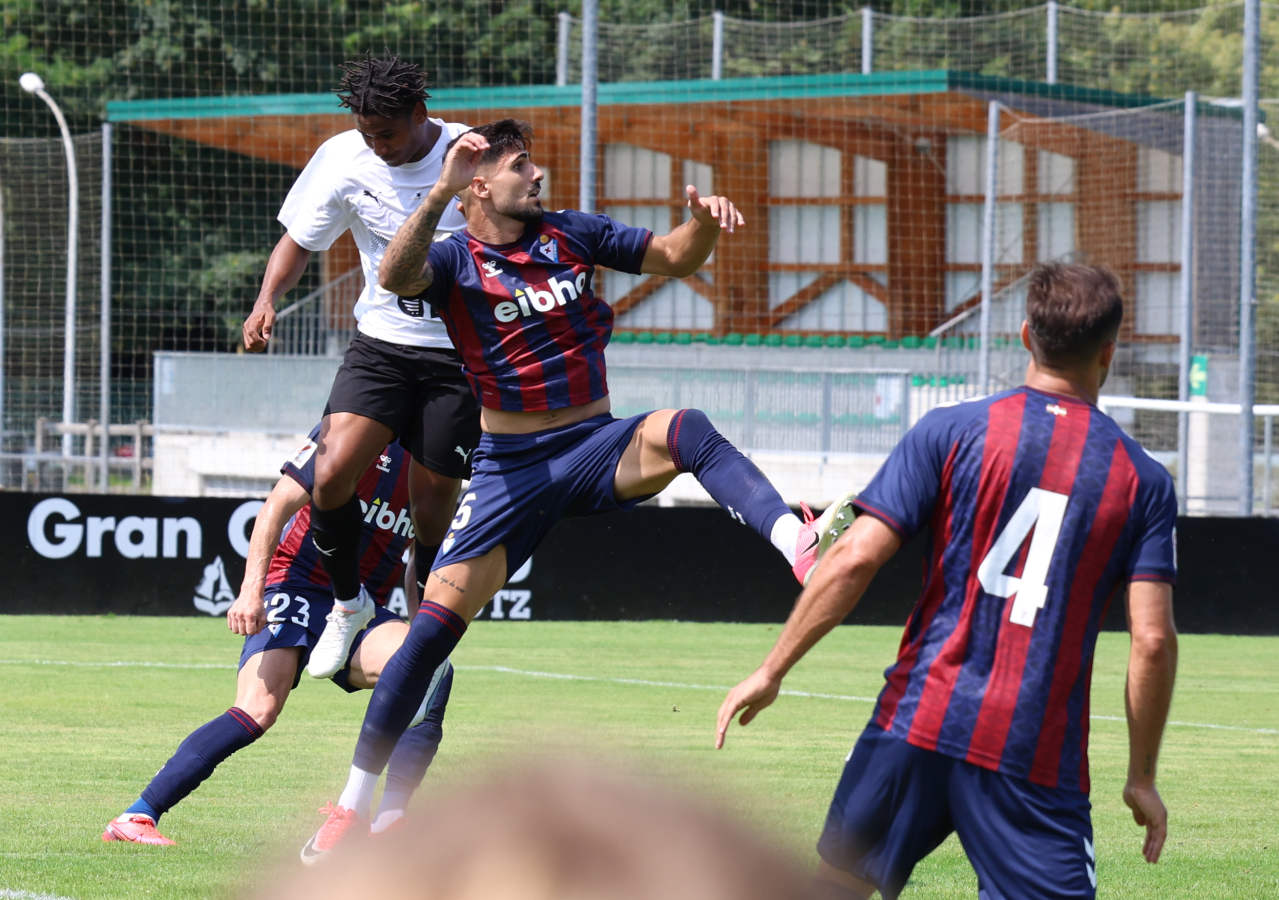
x=561, y=829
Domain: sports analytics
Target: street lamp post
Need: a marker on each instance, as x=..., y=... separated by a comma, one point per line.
x=34, y=84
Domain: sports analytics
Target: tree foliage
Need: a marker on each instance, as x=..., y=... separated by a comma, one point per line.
x=204, y=263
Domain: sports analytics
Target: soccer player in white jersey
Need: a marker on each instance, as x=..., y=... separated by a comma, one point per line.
x=400, y=376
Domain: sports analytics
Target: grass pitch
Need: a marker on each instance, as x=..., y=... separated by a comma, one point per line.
x=92, y=706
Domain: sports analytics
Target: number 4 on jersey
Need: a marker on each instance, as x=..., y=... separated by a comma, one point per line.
x=1041, y=512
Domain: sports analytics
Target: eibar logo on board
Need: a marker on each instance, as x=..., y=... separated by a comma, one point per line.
x=213, y=595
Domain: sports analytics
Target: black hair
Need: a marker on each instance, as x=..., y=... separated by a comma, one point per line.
x=504, y=136
x=1072, y=311
x=384, y=86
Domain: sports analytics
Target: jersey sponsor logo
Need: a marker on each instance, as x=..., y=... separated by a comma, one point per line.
x=55, y=532
x=1056, y=410
x=534, y=300
x=491, y=268
x=383, y=463
x=381, y=515
x=411, y=306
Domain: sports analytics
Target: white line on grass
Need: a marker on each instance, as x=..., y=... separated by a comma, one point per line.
x=118, y=664
x=852, y=698
x=7, y=894
x=566, y=676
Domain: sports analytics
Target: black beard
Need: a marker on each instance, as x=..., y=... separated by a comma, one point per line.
x=527, y=215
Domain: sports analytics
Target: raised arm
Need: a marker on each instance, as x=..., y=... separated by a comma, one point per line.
x=284, y=269
x=247, y=614
x=682, y=252
x=834, y=591
x=405, y=269
x=1152, y=667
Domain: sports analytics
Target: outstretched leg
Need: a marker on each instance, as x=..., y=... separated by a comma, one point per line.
x=262, y=687
x=670, y=441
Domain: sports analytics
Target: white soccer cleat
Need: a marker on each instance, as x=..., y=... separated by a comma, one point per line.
x=341, y=626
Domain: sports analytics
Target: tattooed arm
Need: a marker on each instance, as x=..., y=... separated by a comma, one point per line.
x=405, y=269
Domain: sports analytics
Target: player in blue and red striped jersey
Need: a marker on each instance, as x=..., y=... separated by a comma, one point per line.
x=281, y=611
x=1039, y=510
x=514, y=290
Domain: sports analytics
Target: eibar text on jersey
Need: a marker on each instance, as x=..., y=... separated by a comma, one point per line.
x=531, y=300
x=379, y=513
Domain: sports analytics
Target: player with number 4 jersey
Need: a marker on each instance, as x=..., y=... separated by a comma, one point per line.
x=1038, y=511
x=994, y=666
x=281, y=610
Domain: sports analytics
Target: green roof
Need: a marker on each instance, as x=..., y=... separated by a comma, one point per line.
x=875, y=84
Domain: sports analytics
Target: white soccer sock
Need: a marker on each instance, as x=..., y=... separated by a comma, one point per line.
x=385, y=819
x=358, y=793
x=354, y=605
x=785, y=535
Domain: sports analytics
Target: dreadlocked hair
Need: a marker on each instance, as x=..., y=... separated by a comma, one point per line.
x=384, y=86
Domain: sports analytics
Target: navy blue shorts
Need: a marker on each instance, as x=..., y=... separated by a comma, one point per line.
x=522, y=484
x=895, y=803
x=295, y=618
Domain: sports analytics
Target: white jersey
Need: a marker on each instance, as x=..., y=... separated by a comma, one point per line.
x=346, y=186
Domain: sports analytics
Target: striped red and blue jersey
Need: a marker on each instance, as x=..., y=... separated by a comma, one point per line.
x=384, y=540
x=524, y=316
x=1039, y=509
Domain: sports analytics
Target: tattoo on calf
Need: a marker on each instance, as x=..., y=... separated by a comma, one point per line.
x=448, y=582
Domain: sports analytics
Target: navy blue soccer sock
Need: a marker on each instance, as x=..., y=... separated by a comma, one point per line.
x=336, y=534
x=413, y=754
x=730, y=478
x=404, y=682
x=415, y=749
x=195, y=760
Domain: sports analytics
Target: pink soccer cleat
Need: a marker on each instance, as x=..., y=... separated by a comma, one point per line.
x=136, y=829
x=335, y=827
x=816, y=534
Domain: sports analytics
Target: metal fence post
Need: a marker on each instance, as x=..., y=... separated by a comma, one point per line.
x=988, y=241
x=1051, y=63
x=104, y=319
x=1186, y=291
x=717, y=45
x=561, y=48
x=1248, y=253
x=868, y=40
x=590, y=78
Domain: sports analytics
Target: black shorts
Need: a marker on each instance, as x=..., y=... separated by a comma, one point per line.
x=419, y=393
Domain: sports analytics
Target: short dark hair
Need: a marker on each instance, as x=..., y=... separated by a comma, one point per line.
x=1072, y=310
x=504, y=136
x=385, y=86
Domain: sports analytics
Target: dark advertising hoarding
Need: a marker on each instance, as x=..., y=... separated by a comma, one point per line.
x=89, y=553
